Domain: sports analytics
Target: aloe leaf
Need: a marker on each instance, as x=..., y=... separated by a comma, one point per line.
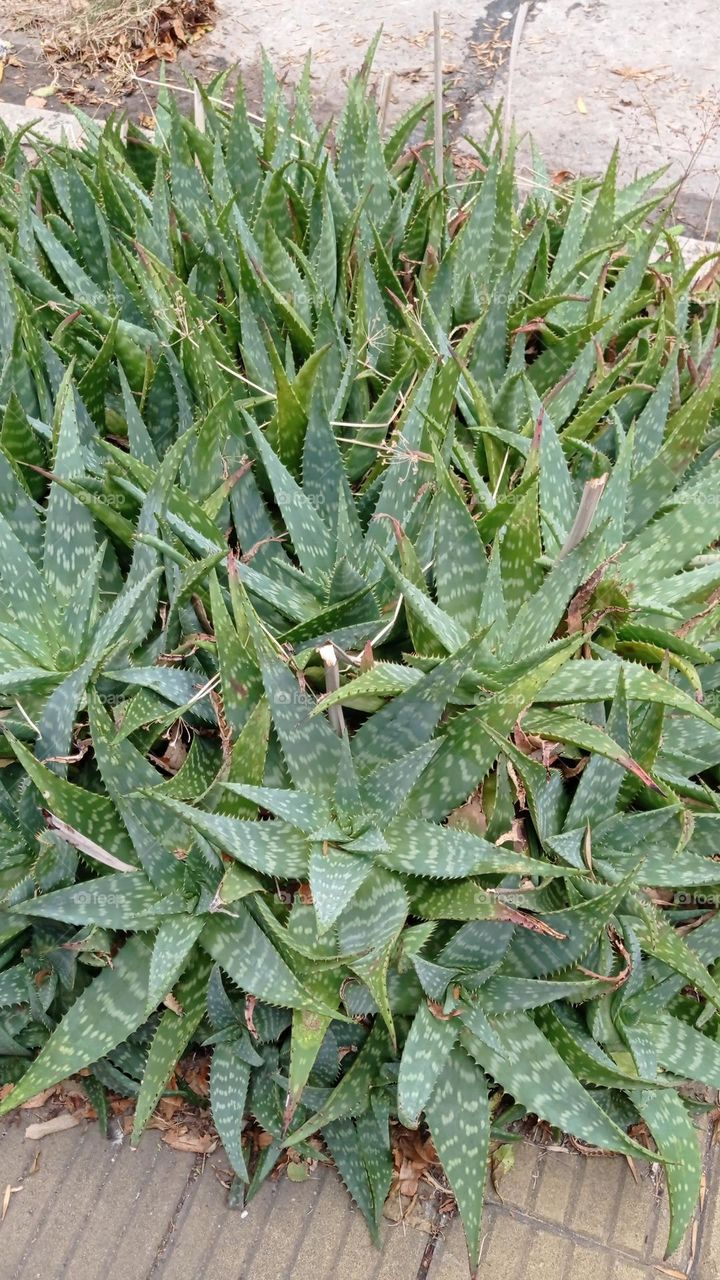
x=248, y=957
x=671, y=1127
x=351, y=1096
x=172, y=1037
x=532, y=1071
x=173, y=945
x=105, y=1014
x=425, y=1055
x=458, y=1116
x=229, y=1079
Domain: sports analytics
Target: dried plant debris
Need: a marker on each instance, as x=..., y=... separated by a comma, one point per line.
x=116, y=37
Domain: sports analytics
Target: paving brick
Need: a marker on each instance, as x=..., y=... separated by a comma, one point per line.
x=556, y=1185
x=238, y=1237
x=358, y=1258
x=450, y=1261
x=138, y=1204
x=589, y=1263
x=545, y=1256
x=402, y=1252
x=151, y=1215
x=629, y=1271
x=517, y=1185
x=656, y=1253
x=317, y=1255
x=637, y=1211
x=93, y=1210
x=68, y=1209
x=593, y=1210
x=521, y=1251
x=28, y=1209
x=197, y=1226
x=291, y=1217
x=707, y=1259
x=17, y=1153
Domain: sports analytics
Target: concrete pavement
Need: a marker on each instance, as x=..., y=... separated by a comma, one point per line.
x=589, y=73
x=88, y=1210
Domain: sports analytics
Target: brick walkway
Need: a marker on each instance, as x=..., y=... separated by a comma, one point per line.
x=91, y=1210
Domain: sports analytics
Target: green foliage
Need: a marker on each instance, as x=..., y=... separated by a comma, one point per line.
x=359, y=644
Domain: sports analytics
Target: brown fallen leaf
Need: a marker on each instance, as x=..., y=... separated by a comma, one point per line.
x=169, y=1107
x=35, y=104
x=56, y=1125
x=636, y=73
x=9, y=1193
x=470, y=816
x=39, y=1100
x=200, y=1143
x=708, y=279
x=501, y=1163
x=197, y=1075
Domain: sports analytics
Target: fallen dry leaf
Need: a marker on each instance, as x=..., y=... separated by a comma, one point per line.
x=56, y=1125
x=39, y=1100
x=35, y=104
x=637, y=73
x=470, y=816
x=197, y=1075
x=708, y=279
x=9, y=1193
x=200, y=1143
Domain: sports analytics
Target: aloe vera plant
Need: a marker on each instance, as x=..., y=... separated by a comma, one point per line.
x=358, y=640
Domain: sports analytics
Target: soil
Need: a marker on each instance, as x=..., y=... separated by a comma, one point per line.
x=37, y=70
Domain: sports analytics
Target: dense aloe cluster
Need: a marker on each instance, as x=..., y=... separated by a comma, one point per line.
x=358, y=641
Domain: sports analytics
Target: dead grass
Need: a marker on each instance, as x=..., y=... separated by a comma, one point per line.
x=114, y=34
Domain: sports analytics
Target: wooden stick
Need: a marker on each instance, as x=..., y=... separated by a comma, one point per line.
x=384, y=102
x=512, y=61
x=86, y=845
x=439, y=150
x=332, y=684
x=591, y=495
